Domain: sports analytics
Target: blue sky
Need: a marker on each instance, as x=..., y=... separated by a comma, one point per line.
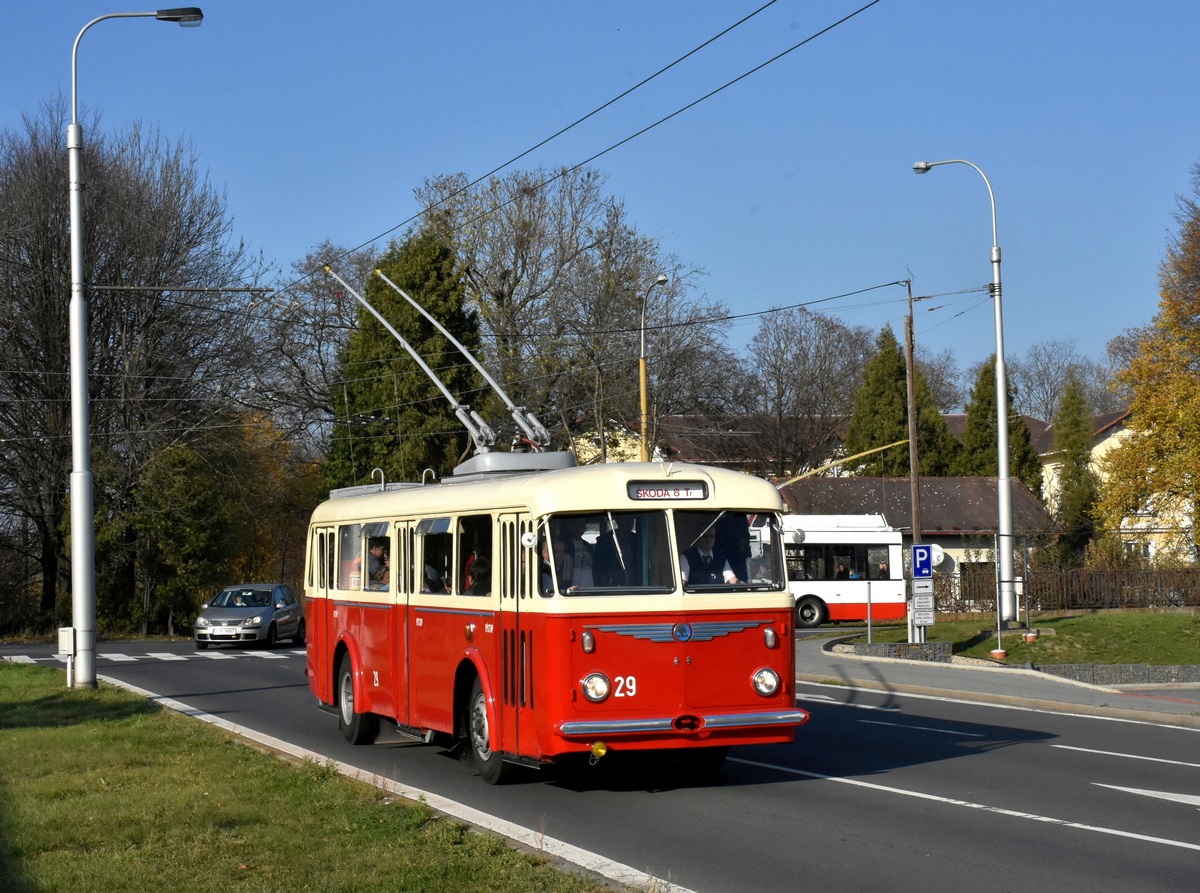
x=793, y=185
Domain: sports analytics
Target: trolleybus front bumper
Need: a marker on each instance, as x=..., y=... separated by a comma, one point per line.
x=721, y=721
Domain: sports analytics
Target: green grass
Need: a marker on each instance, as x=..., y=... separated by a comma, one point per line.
x=102, y=791
x=1109, y=637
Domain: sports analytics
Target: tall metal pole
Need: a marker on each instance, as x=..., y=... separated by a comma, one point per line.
x=1006, y=600
x=83, y=522
x=661, y=279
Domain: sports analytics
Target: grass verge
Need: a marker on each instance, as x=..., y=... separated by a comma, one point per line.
x=1110, y=637
x=102, y=791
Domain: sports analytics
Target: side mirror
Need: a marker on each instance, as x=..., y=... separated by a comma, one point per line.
x=529, y=539
x=795, y=537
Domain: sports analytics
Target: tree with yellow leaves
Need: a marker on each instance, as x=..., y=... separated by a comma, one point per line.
x=1155, y=473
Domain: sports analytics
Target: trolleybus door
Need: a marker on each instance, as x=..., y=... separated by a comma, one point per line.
x=402, y=577
x=517, y=580
x=318, y=610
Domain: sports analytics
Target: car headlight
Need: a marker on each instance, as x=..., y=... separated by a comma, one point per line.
x=595, y=687
x=253, y=621
x=766, y=682
x=201, y=621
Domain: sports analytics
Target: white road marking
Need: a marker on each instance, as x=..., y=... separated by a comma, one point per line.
x=20, y=659
x=165, y=655
x=901, y=725
x=950, y=801
x=267, y=655
x=1128, y=756
x=1063, y=710
x=1188, y=799
x=216, y=655
x=537, y=840
x=119, y=658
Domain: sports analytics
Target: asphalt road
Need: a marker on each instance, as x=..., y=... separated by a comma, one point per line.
x=881, y=790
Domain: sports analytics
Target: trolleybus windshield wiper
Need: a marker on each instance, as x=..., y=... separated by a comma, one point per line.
x=482, y=435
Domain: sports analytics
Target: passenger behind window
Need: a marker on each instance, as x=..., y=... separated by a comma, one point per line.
x=378, y=563
x=704, y=565
x=479, y=575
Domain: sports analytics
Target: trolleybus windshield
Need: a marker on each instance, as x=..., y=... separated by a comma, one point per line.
x=623, y=552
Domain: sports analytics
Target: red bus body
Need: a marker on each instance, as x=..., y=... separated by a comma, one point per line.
x=678, y=665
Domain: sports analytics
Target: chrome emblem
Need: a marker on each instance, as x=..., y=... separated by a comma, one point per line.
x=682, y=632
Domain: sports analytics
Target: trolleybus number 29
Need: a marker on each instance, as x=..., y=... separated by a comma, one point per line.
x=624, y=686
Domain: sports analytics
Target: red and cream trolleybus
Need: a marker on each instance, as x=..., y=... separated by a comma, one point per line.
x=540, y=610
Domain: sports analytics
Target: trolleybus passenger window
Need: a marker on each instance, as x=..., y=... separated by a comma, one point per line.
x=475, y=546
x=349, y=556
x=436, y=553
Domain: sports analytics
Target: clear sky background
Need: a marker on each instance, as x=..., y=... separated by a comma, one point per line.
x=793, y=185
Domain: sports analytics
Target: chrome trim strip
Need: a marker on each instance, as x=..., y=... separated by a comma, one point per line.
x=666, y=724
x=735, y=720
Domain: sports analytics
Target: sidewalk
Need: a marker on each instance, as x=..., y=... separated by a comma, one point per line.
x=998, y=684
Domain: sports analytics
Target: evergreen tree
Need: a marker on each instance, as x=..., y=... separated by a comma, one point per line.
x=1078, y=488
x=389, y=414
x=977, y=456
x=881, y=417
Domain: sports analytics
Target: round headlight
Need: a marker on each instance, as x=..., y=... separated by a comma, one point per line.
x=253, y=621
x=201, y=621
x=766, y=682
x=595, y=687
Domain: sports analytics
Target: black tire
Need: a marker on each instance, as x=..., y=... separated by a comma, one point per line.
x=272, y=638
x=357, y=728
x=492, y=768
x=301, y=635
x=810, y=612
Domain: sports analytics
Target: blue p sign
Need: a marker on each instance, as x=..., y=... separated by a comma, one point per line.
x=922, y=561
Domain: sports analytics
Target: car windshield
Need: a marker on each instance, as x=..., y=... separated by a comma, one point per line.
x=242, y=598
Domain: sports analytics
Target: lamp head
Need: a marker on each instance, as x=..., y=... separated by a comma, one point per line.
x=661, y=279
x=187, y=16
x=922, y=167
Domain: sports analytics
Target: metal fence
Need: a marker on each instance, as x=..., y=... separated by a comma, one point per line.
x=1072, y=590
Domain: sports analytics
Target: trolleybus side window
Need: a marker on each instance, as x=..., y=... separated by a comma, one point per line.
x=377, y=556
x=436, y=552
x=475, y=554
x=349, y=556
x=838, y=561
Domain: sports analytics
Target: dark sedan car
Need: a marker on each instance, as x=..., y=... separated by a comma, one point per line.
x=251, y=612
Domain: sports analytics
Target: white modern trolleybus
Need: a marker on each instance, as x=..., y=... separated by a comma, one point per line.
x=843, y=568
x=539, y=611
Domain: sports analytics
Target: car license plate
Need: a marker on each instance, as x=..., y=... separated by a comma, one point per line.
x=223, y=631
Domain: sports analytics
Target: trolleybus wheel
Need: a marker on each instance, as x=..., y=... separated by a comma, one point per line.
x=357, y=728
x=491, y=768
x=810, y=612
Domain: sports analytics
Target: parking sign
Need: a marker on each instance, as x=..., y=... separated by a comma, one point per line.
x=922, y=561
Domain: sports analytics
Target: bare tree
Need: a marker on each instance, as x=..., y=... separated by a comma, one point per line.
x=162, y=354
x=1039, y=379
x=807, y=368
x=307, y=325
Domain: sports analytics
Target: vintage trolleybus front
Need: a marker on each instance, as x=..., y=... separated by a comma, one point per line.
x=541, y=611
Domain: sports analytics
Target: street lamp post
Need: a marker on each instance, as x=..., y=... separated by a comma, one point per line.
x=661, y=279
x=82, y=653
x=1006, y=601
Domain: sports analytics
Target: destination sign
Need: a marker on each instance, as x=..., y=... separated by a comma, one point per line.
x=651, y=492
